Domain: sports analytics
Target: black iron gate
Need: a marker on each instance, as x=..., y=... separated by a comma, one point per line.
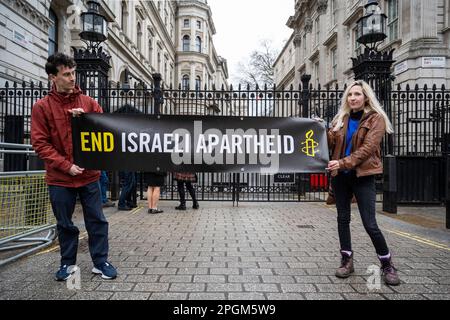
x=421, y=119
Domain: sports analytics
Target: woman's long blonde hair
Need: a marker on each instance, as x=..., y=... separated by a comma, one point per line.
x=372, y=104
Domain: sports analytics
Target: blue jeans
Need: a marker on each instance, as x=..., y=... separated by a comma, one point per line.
x=128, y=187
x=104, y=182
x=63, y=200
x=344, y=186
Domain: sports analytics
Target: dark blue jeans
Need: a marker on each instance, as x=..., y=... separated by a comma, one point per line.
x=128, y=188
x=344, y=186
x=63, y=202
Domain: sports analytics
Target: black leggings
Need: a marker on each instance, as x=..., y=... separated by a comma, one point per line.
x=182, y=193
x=344, y=186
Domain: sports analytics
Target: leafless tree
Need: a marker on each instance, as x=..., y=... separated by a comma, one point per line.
x=258, y=69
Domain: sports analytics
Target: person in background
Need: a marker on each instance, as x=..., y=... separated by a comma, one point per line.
x=154, y=181
x=104, y=183
x=186, y=178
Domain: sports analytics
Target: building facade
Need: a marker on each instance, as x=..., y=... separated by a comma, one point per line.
x=324, y=40
x=144, y=37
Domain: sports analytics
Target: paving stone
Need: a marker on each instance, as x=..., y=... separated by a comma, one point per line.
x=323, y=296
x=168, y=296
x=362, y=296
x=141, y=278
x=226, y=271
x=246, y=296
x=244, y=279
x=257, y=271
x=176, y=278
x=130, y=296
x=284, y=296
x=115, y=286
x=151, y=287
x=206, y=296
x=92, y=296
x=300, y=288
x=265, y=287
x=209, y=278
x=224, y=287
x=189, y=287
x=192, y=271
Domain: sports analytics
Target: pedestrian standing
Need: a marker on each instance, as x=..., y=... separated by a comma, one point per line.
x=354, y=139
x=51, y=137
x=186, y=179
x=104, y=183
x=154, y=181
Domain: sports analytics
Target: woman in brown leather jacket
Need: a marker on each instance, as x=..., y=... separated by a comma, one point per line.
x=354, y=139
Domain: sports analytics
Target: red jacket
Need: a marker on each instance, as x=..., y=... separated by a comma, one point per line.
x=51, y=136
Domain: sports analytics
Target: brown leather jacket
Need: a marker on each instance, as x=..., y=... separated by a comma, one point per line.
x=365, y=156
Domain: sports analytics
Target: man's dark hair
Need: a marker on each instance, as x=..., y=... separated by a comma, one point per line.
x=56, y=60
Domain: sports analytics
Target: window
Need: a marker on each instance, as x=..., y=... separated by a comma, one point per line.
x=198, y=44
x=185, y=82
x=392, y=20
x=199, y=24
x=304, y=45
x=333, y=12
x=53, y=34
x=139, y=37
x=150, y=50
x=124, y=17
x=317, y=38
x=186, y=23
x=186, y=43
x=198, y=83
x=316, y=73
x=356, y=44
x=159, y=62
x=165, y=71
x=333, y=63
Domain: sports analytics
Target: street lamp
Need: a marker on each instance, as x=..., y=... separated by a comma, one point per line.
x=94, y=25
x=371, y=28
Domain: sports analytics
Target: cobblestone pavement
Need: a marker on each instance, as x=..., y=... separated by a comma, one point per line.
x=254, y=251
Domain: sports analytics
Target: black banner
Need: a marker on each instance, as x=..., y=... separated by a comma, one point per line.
x=199, y=144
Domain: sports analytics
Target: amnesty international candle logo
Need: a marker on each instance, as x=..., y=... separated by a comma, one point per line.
x=310, y=145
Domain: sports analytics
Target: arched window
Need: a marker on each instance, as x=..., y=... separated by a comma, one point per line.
x=124, y=17
x=198, y=44
x=198, y=83
x=53, y=33
x=186, y=43
x=185, y=82
x=139, y=37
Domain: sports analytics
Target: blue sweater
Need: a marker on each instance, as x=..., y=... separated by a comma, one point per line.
x=353, y=123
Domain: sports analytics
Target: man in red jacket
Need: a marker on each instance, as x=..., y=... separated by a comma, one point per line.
x=51, y=137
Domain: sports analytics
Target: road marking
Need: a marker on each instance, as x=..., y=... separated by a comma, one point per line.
x=419, y=239
x=407, y=235
x=135, y=210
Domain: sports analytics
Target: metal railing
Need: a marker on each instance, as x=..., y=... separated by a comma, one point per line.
x=25, y=210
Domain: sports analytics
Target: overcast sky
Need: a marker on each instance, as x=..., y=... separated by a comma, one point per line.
x=241, y=24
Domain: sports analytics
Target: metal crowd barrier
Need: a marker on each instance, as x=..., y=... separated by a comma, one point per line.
x=25, y=210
